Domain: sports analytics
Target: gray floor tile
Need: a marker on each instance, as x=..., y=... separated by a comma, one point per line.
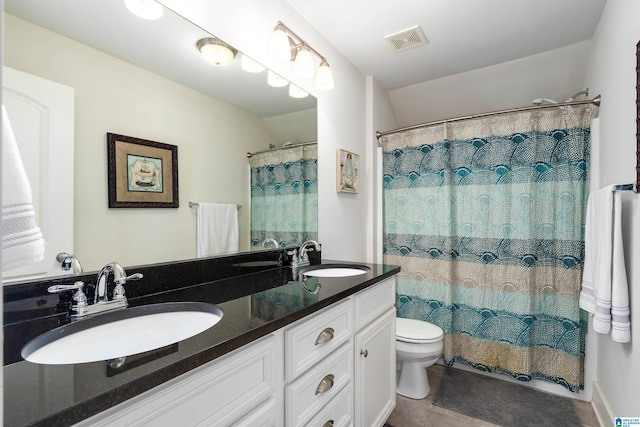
x=422, y=413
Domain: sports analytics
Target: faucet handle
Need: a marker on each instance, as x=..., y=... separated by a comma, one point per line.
x=118, y=291
x=134, y=276
x=61, y=288
x=79, y=299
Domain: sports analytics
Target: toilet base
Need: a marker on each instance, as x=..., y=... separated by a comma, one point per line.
x=413, y=381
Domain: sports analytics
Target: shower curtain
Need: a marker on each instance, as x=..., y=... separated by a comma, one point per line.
x=284, y=195
x=486, y=218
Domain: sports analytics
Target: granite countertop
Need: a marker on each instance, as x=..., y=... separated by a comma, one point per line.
x=254, y=304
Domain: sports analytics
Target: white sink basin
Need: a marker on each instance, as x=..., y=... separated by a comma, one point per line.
x=335, y=270
x=121, y=333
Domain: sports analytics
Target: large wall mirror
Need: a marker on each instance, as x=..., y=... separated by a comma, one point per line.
x=147, y=79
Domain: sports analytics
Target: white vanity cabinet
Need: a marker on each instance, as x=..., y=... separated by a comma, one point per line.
x=375, y=354
x=340, y=363
x=242, y=388
x=335, y=368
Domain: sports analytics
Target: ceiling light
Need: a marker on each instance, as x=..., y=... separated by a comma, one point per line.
x=296, y=92
x=215, y=51
x=250, y=66
x=285, y=44
x=146, y=9
x=275, y=80
x=324, y=78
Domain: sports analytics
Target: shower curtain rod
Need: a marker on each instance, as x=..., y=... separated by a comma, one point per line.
x=595, y=101
x=282, y=148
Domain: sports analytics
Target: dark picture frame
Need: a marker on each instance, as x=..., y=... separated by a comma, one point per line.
x=638, y=117
x=141, y=173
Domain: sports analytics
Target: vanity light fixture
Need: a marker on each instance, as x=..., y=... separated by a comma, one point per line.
x=215, y=51
x=280, y=45
x=324, y=78
x=276, y=80
x=146, y=9
x=287, y=46
x=251, y=66
x=296, y=92
x=303, y=66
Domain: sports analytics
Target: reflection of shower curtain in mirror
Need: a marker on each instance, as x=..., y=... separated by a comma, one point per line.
x=486, y=219
x=284, y=195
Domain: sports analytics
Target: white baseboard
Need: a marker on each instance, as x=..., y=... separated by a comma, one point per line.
x=601, y=406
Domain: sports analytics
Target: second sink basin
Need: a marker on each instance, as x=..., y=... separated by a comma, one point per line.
x=335, y=270
x=120, y=333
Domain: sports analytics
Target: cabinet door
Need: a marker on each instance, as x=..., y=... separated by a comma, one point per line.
x=215, y=394
x=375, y=371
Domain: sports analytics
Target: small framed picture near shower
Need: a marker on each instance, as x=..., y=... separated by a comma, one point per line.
x=142, y=173
x=348, y=172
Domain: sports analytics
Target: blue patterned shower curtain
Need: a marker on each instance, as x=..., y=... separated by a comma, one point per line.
x=486, y=218
x=284, y=195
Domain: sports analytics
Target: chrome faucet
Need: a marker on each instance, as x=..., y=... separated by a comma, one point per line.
x=268, y=240
x=79, y=305
x=69, y=262
x=119, y=278
x=303, y=257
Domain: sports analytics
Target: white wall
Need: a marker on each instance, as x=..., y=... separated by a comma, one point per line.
x=380, y=117
x=611, y=71
x=115, y=96
x=556, y=74
x=247, y=25
x=301, y=126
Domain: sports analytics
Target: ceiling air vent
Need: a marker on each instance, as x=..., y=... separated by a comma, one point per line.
x=406, y=39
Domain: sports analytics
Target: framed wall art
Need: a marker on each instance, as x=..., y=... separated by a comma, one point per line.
x=348, y=172
x=638, y=117
x=142, y=173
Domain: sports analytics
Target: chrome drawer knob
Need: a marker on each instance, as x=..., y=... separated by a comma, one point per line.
x=365, y=353
x=328, y=424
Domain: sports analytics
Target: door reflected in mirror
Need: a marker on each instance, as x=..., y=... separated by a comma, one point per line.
x=147, y=79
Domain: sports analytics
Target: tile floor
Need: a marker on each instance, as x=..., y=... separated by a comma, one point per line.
x=422, y=413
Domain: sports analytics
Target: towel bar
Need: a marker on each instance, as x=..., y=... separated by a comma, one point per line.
x=192, y=204
x=625, y=187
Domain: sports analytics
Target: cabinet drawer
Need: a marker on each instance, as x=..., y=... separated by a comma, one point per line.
x=374, y=301
x=217, y=393
x=312, y=339
x=305, y=396
x=337, y=413
x=263, y=416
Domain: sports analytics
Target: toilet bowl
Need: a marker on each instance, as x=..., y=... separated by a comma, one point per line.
x=418, y=346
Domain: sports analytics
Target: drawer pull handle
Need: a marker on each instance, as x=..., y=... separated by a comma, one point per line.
x=328, y=424
x=365, y=353
x=325, y=336
x=325, y=384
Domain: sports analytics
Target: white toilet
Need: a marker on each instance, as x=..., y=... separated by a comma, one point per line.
x=418, y=346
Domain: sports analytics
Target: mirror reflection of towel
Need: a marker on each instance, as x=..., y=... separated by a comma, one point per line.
x=22, y=241
x=217, y=229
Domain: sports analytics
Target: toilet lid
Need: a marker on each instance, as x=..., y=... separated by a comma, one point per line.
x=411, y=330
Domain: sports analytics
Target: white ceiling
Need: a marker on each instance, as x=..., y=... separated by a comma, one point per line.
x=463, y=35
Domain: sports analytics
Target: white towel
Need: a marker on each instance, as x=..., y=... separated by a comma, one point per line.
x=605, y=292
x=217, y=229
x=22, y=241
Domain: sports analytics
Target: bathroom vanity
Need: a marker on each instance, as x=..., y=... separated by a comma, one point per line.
x=281, y=355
